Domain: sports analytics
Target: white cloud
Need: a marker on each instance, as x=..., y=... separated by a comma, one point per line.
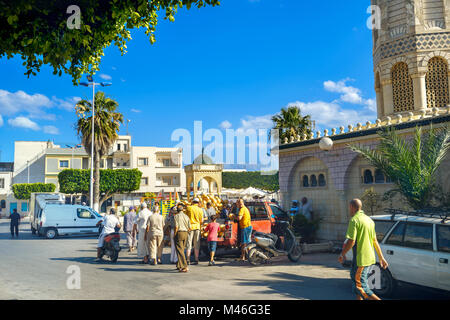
x=349, y=94
x=36, y=106
x=135, y=110
x=225, y=124
x=23, y=122
x=1, y=121
x=252, y=122
x=105, y=76
x=67, y=104
x=51, y=130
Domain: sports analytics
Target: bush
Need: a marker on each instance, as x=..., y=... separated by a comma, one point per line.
x=305, y=229
x=243, y=180
x=23, y=191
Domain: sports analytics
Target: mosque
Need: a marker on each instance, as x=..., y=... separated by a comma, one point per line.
x=411, y=54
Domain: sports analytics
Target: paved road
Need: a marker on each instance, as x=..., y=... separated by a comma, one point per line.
x=35, y=268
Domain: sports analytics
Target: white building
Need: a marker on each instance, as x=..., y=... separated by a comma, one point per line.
x=39, y=161
x=6, y=174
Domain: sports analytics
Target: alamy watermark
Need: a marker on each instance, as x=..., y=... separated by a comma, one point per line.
x=254, y=147
x=73, y=281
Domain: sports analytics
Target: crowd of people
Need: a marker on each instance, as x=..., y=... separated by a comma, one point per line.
x=146, y=231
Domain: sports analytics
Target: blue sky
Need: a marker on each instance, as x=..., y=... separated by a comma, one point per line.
x=231, y=66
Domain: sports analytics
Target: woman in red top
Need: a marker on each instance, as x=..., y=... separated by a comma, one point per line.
x=213, y=229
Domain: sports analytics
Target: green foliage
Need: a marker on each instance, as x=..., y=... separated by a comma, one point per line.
x=23, y=191
x=305, y=229
x=411, y=165
x=291, y=123
x=72, y=181
x=37, y=30
x=241, y=180
x=372, y=200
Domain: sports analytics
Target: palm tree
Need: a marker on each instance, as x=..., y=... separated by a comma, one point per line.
x=411, y=165
x=106, y=127
x=291, y=123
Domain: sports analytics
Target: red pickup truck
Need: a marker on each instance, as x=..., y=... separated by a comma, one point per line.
x=263, y=214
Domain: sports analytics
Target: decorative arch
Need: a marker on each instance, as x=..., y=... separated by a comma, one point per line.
x=402, y=88
x=431, y=55
x=437, y=83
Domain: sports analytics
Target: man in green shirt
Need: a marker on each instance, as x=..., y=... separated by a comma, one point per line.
x=361, y=231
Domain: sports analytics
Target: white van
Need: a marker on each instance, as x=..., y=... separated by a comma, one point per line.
x=37, y=201
x=58, y=219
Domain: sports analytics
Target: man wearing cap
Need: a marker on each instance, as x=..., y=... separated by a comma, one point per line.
x=129, y=221
x=195, y=214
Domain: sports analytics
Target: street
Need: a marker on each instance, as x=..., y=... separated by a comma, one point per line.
x=35, y=268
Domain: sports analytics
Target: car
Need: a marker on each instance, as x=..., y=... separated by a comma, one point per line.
x=417, y=249
x=263, y=215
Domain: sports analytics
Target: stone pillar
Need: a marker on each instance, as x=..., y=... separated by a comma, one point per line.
x=420, y=91
x=380, y=102
x=388, y=99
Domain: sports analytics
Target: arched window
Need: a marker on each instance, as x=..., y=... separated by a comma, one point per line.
x=368, y=177
x=437, y=83
x=322, y=181
x=313, y=180
x=305, y=181
x=388, y=179
x=402, y=88
x=3, y=204
x=379, y=176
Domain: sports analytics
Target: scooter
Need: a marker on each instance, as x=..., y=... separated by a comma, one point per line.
x=268, y=245
x=111, y=246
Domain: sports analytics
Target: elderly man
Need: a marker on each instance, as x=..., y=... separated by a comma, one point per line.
x=142, y=247
x=155, y=235
x=195, y=214
x=361, y=231
x=129, y=221
x=306, y=208
x=182, y=228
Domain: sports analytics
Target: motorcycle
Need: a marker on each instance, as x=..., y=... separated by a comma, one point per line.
x=268, y=245
x=111, y=246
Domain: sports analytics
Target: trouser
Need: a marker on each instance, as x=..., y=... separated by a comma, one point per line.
x=131, y=240
x=181, y=239
x=15, y=228
x=173, y=251
x=360, y=281
x=156, y=246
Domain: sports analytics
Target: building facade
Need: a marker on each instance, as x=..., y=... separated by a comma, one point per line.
x=38, y=161
x=411, y=54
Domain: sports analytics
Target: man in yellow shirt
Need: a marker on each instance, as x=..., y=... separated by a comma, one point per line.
x=245, y=225
x=195, y=214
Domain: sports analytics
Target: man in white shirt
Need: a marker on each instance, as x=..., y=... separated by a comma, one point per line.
x=109, y=223
x=306, y=208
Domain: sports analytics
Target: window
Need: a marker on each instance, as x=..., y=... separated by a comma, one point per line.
x=382, y=227
x=313, y=181
x=167, y=181
x=142, y=162
x=166, y=163
x=2, y=183
x=118, y=147
x=402, y=88
x=419, y=236
x=379, y=176
x=443, y=238
x=305, y=181
x=144, y=181
x=277, y=211
x=437, y=83
x=396, y=237
x=368, y=177
x=84, y=214
x=24, y=207
x=102, y=163
x=322, y=182
x=63, y=163
x=257, y=212
x=3, y=204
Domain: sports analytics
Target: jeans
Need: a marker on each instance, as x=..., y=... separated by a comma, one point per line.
x=14, y=228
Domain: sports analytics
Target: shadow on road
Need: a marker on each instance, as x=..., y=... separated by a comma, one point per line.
x=302, y=287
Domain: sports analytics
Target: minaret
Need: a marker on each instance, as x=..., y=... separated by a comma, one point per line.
x=411, y=54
